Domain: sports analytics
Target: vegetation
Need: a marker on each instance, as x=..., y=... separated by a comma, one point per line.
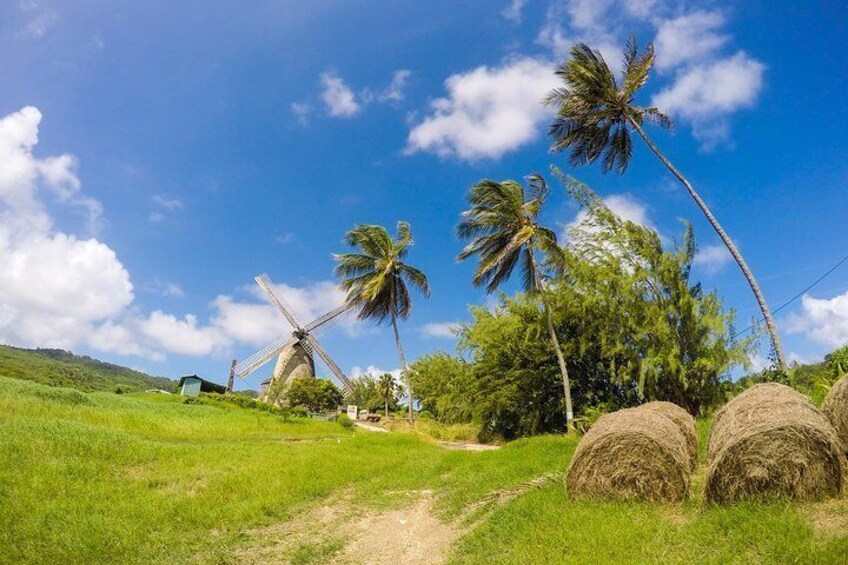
x=503, y=226
x=316, y=395
x=595, y=116
x=144, y=478
x=632, y=325
x=375, y=279
x=56, y=367
x=374, y=395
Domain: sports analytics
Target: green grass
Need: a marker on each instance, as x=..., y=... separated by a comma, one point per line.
x=146, y=478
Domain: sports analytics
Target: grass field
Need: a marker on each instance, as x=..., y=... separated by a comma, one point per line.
x=145, y=478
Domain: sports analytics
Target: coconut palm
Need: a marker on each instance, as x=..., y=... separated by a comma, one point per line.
x=387, y=390
x=504, y=230
x=376, y=279
x=595, y=117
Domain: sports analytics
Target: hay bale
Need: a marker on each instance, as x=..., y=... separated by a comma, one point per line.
x=772, y=442
x=684, y=422
x=628, y=454
x=835, y=408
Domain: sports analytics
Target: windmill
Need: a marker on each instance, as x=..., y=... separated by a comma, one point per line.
x=296, y=350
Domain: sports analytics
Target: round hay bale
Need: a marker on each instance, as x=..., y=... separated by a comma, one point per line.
x=835, y=408
x=684, y=422
x=771, y=442
x=629, y=454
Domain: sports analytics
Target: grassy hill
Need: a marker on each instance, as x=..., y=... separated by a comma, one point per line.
x=148, y=478
x=55, y=367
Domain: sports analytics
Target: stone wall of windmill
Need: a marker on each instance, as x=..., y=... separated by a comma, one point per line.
x=293, y=363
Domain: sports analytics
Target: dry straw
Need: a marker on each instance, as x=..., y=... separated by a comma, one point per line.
x=631, y=454
x=771, y=442
x=835, y=407
x=684, y=422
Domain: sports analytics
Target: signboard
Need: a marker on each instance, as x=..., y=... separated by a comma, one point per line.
x=352, y=411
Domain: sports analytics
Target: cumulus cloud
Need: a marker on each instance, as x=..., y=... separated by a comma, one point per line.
x=704, y=94
x=375, y=373
x=712, y=258
x=690, y=37
x=338, y=98
x=824, y=320
x=487, y=112
x=54, y=287
x=446, y=330
x=625, y=206
x=182, y=336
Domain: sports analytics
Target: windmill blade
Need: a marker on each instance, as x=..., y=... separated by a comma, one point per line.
x=262, y=356
x=313, y=346
x=329, y=320
x=264, y=282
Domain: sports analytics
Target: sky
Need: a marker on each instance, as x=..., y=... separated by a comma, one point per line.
x=156, y=156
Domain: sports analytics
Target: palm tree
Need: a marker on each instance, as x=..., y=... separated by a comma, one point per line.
x=502, y=224
x=375, y=279
x=595, y=117
x=387, y=390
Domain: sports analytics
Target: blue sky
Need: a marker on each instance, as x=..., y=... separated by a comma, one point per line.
x=154, y=157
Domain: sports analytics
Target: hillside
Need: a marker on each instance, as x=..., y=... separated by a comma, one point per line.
x=56, y=367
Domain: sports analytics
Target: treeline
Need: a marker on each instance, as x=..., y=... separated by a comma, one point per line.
x=632, y=325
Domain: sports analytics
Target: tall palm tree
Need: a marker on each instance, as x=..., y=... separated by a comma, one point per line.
x=387, y=390
x=504, y=230
x=595, y=117
x=375, y=279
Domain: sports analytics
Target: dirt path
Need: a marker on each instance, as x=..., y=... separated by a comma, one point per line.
x=338, y=532
x=371, y=427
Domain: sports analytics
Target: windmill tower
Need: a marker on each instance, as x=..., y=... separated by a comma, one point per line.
x=295, y=350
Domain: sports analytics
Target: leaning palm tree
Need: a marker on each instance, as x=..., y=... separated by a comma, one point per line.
x=503, y=226
x=386, y=386
x=375, y=279
x=595, y=117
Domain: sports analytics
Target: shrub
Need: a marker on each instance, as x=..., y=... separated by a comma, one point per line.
x=344, y=421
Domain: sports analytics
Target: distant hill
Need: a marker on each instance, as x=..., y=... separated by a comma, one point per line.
x=56, y=367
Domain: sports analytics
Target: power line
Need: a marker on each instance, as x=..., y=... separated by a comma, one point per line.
x=796, y=297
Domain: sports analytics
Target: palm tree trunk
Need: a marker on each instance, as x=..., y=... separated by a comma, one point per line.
x=755, y=287
x=403, y=365
x=387, y=408
x=566, y=385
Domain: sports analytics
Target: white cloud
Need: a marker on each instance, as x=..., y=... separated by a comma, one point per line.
x=301, y=113
x=338, y=98
x=513, y=11
x=688, y=38
x=625, y=206
x=53, y=287
x=439, y=329
x=487, y=112
x=168, y=203
x=712, y=258
x=374, y=372
x=395, y=91
x=824, y=320
x=182, y=336
x=156, y=217
x=704, y=93
x=117, y=338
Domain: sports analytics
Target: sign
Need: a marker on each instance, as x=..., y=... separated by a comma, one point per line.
x=352, y=411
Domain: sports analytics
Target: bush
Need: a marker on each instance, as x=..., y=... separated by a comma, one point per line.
x=299, y=412
x=344, y=421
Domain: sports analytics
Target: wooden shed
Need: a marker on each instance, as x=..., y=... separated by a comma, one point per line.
x=192, y=385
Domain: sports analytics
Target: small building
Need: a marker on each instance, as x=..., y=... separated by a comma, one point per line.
x=192, y=385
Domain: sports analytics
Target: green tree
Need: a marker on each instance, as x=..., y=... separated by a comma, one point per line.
x=595, y=116
x=445, y=387
x=316, y=395
x=684, y=337
x=376, y=279
x=503, y=226
x=837, y=361
x=386, y=387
